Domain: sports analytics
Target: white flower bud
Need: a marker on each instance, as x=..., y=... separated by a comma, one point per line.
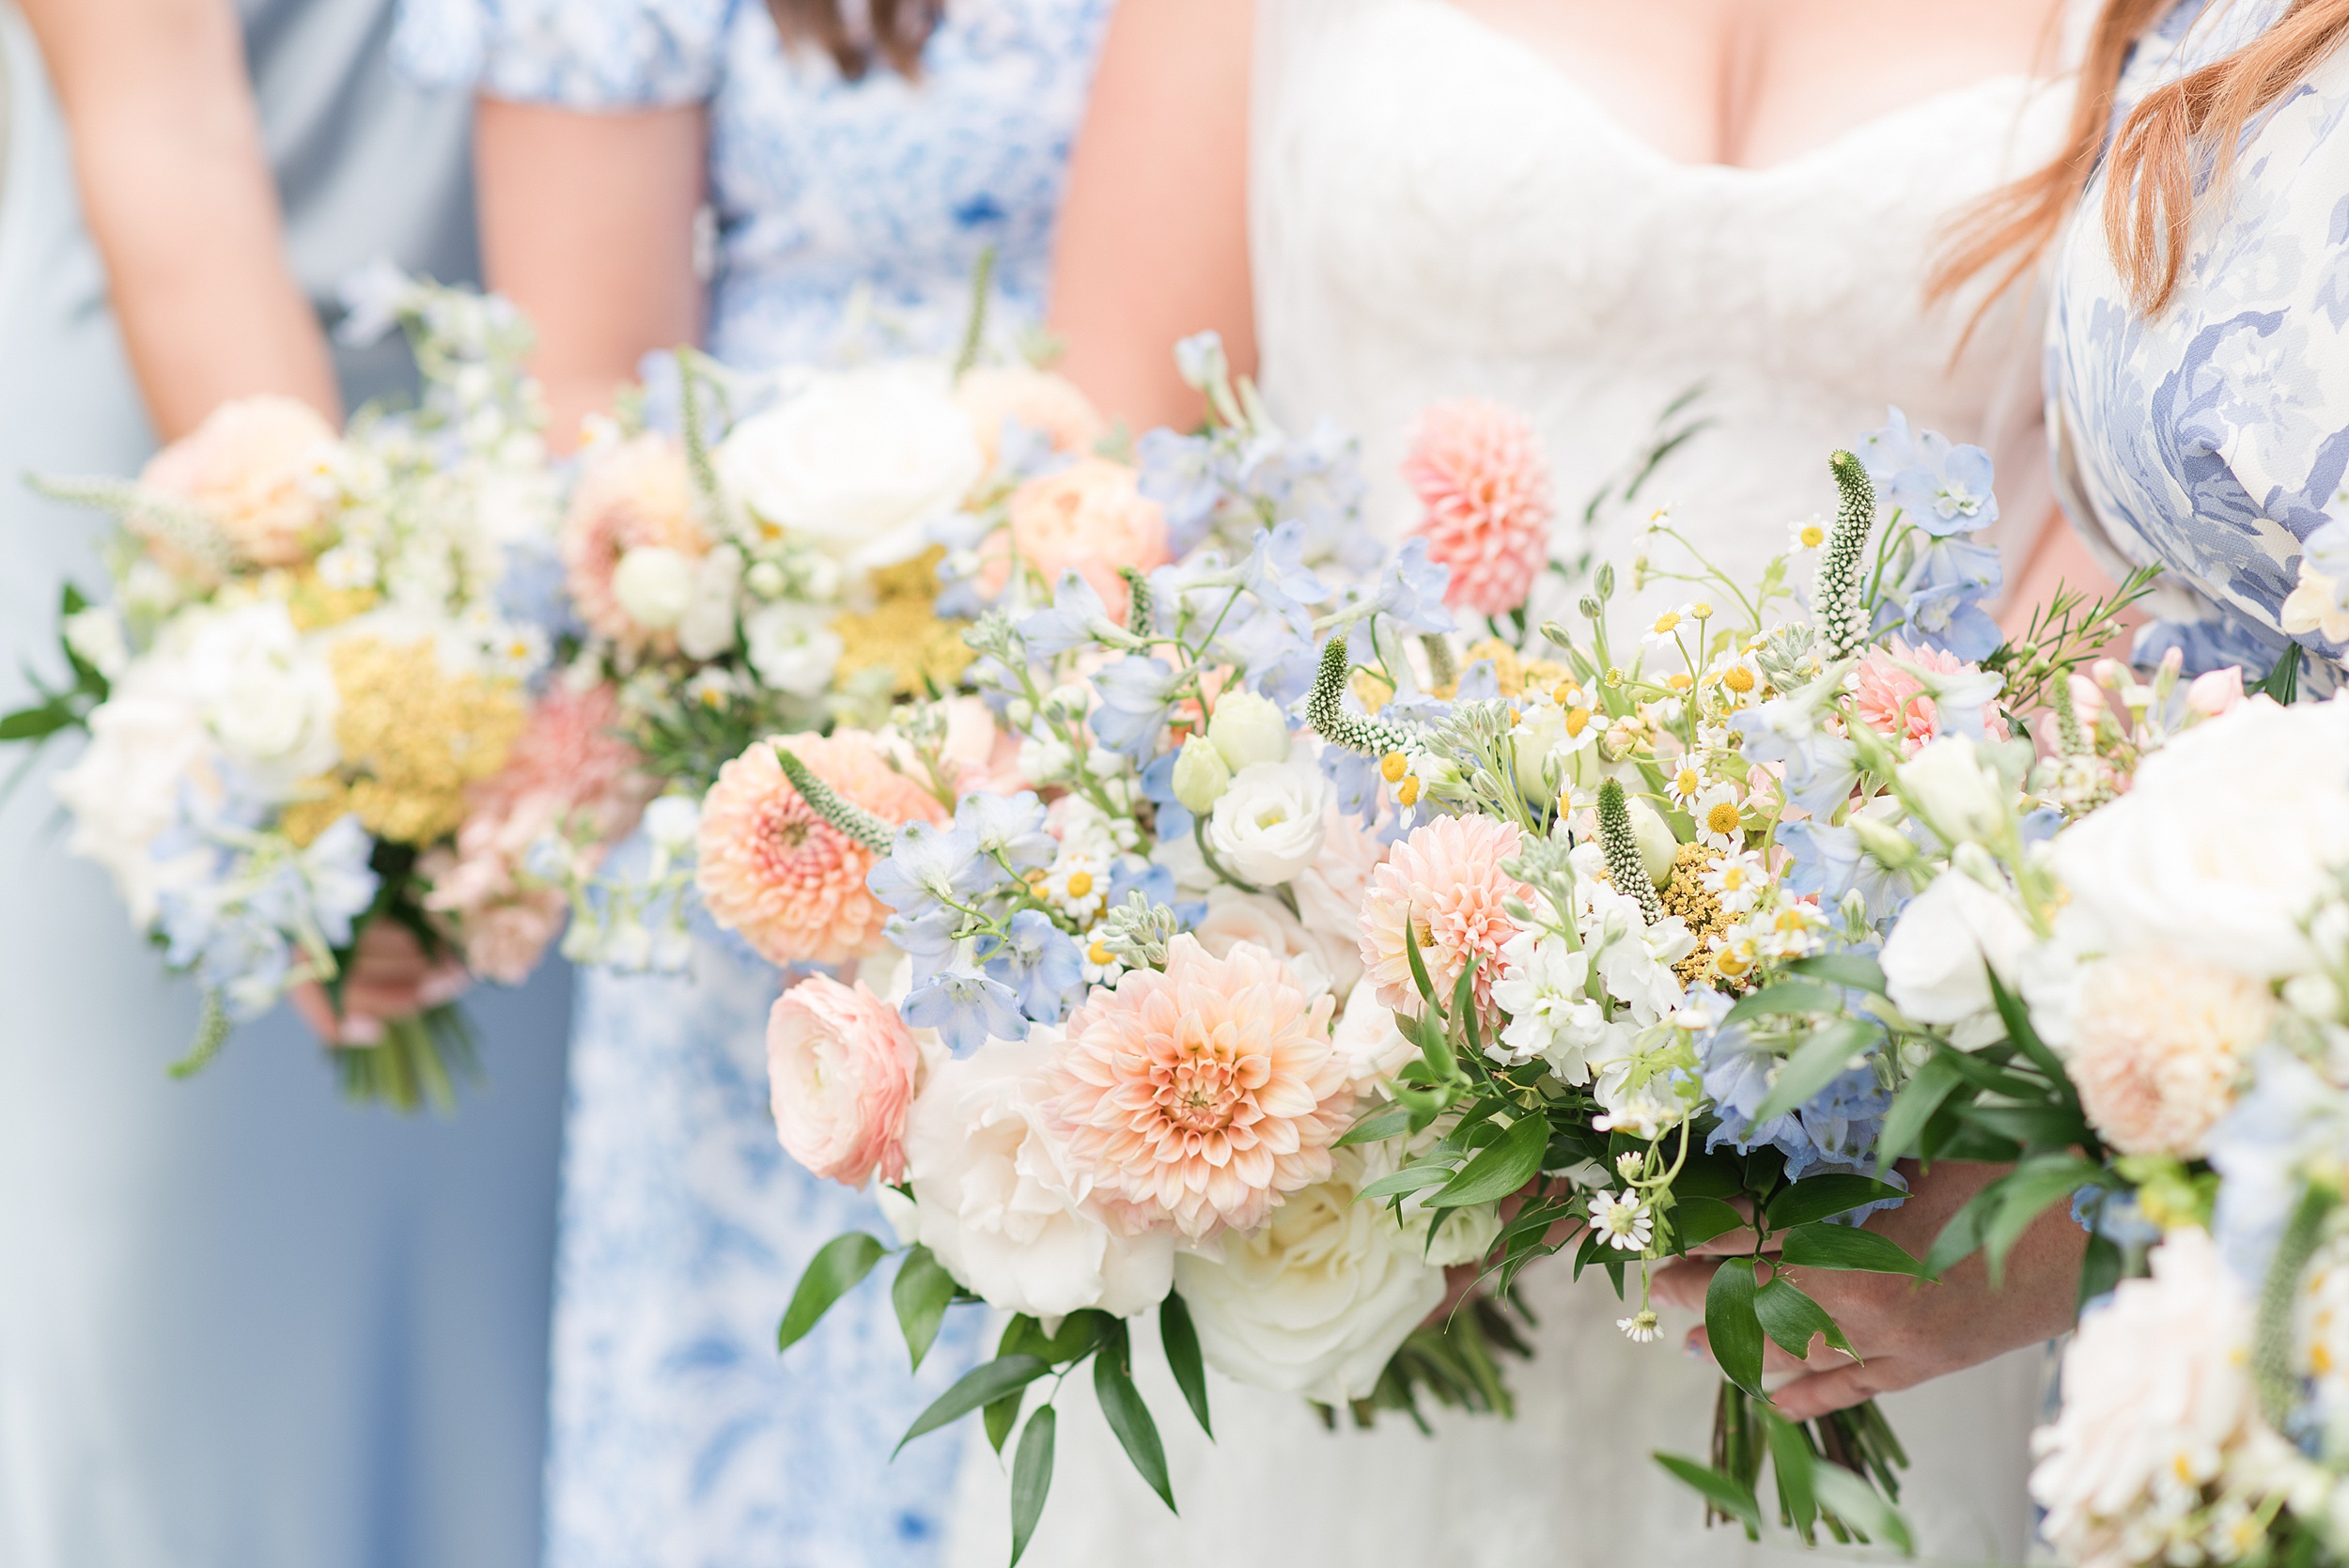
x=1947, y=785
x=1248, y=729
x=1654, y=835
x=1201, y=776
x=765, y=580
x=654, y=585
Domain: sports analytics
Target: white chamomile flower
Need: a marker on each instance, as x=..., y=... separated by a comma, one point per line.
x=1736, y=951
x=348, y=566
x=1640, y=1328
x=1629, y=1163
x=710, y=687
x=1684, y=783
x=1719, y=824
x=1100, y=966
x=1734, y=680
x=1666, y=629
x=1738, y=879
x=1793, y=930
x=518, y=652
x=1810, y=534
x=1077, y=885
x=1620, y=1220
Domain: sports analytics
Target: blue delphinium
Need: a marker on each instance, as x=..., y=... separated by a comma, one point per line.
x=930, y=865
x=1038, y=961
x=1137, y=692
x=1944, y=492
x=260, y=902
x=965, y=1009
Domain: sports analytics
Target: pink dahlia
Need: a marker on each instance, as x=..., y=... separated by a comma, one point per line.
x=1445, y=879
x=841, y=1071
x=790, y=882
x=1202, y=1095
x=633, y=496
x=1890, y=701
x=1479, y=471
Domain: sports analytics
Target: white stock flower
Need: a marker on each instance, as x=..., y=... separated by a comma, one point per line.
x=1316, y=1300
x=1267, y=826
x=654, y=585
x=1934, y=961
x=793, y=647
x=2221, y=847
x=857, y=462
x=1248, y=729
x=1543, y=990
x=1001, y=1204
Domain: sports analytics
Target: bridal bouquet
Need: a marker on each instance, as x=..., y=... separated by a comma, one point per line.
x=318, y=702
x=1325, y=926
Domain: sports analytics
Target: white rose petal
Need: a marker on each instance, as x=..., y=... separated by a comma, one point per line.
x=1934, y=960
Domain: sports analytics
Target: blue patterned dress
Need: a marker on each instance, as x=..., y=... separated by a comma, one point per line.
x=678, y=1438
x=2211, y=439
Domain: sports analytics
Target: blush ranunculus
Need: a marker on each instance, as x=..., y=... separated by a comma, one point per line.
x=1089, y=518
x=1892, y=702
x=635, y=496
x=1049, y=404
x=842, y=1071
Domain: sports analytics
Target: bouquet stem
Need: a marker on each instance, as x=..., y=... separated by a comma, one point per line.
x=417, y=1062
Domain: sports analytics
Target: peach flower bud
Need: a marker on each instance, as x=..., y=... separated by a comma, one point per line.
x=1088, y=517
x=2214, y=692
x=841, y=1069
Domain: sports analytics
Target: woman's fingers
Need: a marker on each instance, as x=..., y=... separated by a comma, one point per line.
x=310, y=1004
x=1839, y=1388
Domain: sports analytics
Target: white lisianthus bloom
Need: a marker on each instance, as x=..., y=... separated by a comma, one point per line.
x=706, y=630
x=1248, y=729
x=654, y=585
x=1642, y=1078
x=2157, y=1406
x=1267, y=826
x=857, y=462
x=1316, y=1300
x=1001, y=1204
x=793, y=647
x=147, y=742
x=1935, y=959
x=269, y=699
x=1950, y=786
x=2221, y=847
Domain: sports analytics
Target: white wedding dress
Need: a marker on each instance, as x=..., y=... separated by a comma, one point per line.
x=1439, y=212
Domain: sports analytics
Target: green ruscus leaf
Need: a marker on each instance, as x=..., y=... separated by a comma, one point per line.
x=1181, y=1338
x=921, y=1293
x=836, y=1269
x=1129, y=1418
x=982, y=1385
x=1031, y=1478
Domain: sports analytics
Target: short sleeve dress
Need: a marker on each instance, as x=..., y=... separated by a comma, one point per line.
x=2212, y=439
x=679, y=1439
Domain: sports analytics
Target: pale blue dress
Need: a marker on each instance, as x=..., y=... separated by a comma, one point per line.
x=679, y=1438
x=2213, y=439
x=242, y=1324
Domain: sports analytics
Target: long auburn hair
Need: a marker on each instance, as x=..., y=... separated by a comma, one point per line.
x=2149, y=187
x=900, y=28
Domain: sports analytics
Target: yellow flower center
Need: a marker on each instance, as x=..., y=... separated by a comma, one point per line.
x=1722, y=818
x=1685, y=780
x=1738, y=679
x=1565, y=693
x=1666, y=621
x=1392, y=767
x=1407, y=791
x=1678, y=680
x=1080, y=883
x=1733, y=878
x=1701, y=610
x=1577, y=719
x=1813, y=536
x=1098, y=955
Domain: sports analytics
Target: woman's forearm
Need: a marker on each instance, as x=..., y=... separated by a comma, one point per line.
x=176, y=192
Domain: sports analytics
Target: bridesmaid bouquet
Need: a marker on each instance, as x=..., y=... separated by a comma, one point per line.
x=317, y=702
x=1329, y=930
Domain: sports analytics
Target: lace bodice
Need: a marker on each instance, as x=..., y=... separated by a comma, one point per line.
x=1438, y=212
x=819, y=185
x=2212, y=439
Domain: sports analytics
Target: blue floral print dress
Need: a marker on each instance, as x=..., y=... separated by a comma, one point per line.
x=678, y=1438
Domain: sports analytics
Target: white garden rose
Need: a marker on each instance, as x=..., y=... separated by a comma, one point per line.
x=268, y=698
x=147, y=742
x=1316, y=1301
x=1267, y=826
x=1248, y=729
x=792, y=647
x=2222, y=844
x=998, y=1203
x=857, y=462
x=1934, y=961
x=654, y=585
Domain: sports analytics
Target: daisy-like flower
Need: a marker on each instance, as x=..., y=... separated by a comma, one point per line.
x=1810, y=534
x=1793, y=930
x=1077, y=886
x=711, y=686
x=1203, y=1095
x=1620, y=1220
x=1101, y=967
x=1735, y=679
x=1666, y=629
x=1640, y=1328
x=1736, y=951
x=1720, y=822
x=1738, y=880
x=1686, y=783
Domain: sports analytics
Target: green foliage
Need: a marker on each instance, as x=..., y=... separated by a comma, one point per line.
x=1180, y=1338
x=1731, y=1327
x=922, y=1292
x=417, y=1064
x=1030, y=1479
x=839, y=1266
x=981, y=1386
x=1128, y=1417
x=2064, y=633
x=1456, y=1363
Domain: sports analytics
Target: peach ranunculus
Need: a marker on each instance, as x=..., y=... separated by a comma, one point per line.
x=1049, y=404
x=1445, y=881
x=1478, y=470
x=635, y=496
x=2160, y=1041
x=256, y=468
x=1202, y=1095
x=792, y=884
x=841, y=1069
x=1089, y=518
x=1892, y=702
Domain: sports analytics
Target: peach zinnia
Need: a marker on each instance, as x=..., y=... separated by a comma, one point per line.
x=1203, y=1095
x=1445, y=878
x=790, y=882
x=1479, y=471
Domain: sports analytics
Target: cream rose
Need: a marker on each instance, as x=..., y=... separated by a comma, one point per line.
x=1939, y=957
x=857, y=462
x=1001, y=1204
x=2158, y=1043
x=841, y=1070
x=1316, y=1301
x=1267, y=826
x=1090, y=519
x=268, y=698
x=2222, y=844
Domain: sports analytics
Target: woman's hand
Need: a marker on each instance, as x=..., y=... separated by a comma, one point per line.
x=1908, y=1332
x=390, y=977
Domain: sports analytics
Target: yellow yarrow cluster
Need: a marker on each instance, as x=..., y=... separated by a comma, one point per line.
x=1699, y=909
x=1516, y=675
x=413, y=736
x=312, y=605
x=903, y=630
